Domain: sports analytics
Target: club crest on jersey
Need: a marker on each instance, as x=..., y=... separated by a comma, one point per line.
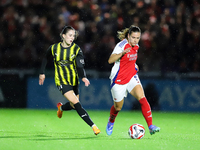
x=82, y=61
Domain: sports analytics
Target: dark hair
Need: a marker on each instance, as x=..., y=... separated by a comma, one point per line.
x=124, y=33
x=133, y=28
x=66, y=29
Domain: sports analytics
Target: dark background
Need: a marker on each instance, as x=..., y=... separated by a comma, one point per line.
x=169, y=42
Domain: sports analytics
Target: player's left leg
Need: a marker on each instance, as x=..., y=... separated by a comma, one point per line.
x=138, y=93
x=70, y=95
x=153, y=129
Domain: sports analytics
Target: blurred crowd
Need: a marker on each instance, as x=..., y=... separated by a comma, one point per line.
x=169, y=41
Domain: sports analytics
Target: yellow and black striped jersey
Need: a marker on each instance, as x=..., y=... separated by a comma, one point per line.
x=68, y=63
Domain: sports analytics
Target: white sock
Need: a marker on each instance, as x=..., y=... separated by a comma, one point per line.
x=93, y=125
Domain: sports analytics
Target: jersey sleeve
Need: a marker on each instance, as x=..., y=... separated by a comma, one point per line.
x=80, y=64
x=117, y=50
x=45, y=59
x=120, y=47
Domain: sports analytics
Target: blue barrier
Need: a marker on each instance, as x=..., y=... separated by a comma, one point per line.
x=96, y=96
x=177, y=95
x=172, y=95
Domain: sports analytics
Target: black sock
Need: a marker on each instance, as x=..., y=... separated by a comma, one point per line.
x=83, y=114
x=66, y=107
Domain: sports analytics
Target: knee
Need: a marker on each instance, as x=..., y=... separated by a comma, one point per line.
x=117, y=108
x=139, y=98
x=72, y=105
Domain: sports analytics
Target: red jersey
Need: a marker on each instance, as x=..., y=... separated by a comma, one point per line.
x=124, y=68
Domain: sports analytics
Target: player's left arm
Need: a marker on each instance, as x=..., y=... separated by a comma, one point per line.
x=80, y=68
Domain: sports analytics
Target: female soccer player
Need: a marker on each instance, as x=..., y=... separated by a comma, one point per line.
x=69, y=67
x=124, y=77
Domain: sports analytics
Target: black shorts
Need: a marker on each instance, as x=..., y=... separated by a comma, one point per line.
x=65, y=88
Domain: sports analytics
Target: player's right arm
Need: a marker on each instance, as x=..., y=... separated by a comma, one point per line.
x=42, y=68
x=114, y=56
x=41, y=79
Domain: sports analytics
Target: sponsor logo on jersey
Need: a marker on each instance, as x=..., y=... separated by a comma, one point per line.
x=132, y=56
x=64, y=62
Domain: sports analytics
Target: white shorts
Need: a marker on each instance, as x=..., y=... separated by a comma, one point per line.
x=119, y=91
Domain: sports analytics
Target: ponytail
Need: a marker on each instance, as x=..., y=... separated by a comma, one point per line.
x=124, y=33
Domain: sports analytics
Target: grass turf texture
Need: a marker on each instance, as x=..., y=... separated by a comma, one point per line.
x=23, y=129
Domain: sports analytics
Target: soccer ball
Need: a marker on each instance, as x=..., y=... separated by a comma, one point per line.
x=136, y=131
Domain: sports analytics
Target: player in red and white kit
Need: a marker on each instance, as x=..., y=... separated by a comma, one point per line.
x=124, y=77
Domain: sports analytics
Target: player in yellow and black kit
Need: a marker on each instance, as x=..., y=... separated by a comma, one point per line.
x=69, y=67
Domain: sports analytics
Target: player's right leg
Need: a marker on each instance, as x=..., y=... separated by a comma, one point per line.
x=111, y=120
x=67, y=106
x=118, y=92
x=59, y=112
x=114, y=110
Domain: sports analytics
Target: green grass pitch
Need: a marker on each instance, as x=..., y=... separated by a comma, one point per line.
x=25, y=129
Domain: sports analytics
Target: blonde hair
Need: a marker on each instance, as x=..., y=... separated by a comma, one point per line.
x=124, y=33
